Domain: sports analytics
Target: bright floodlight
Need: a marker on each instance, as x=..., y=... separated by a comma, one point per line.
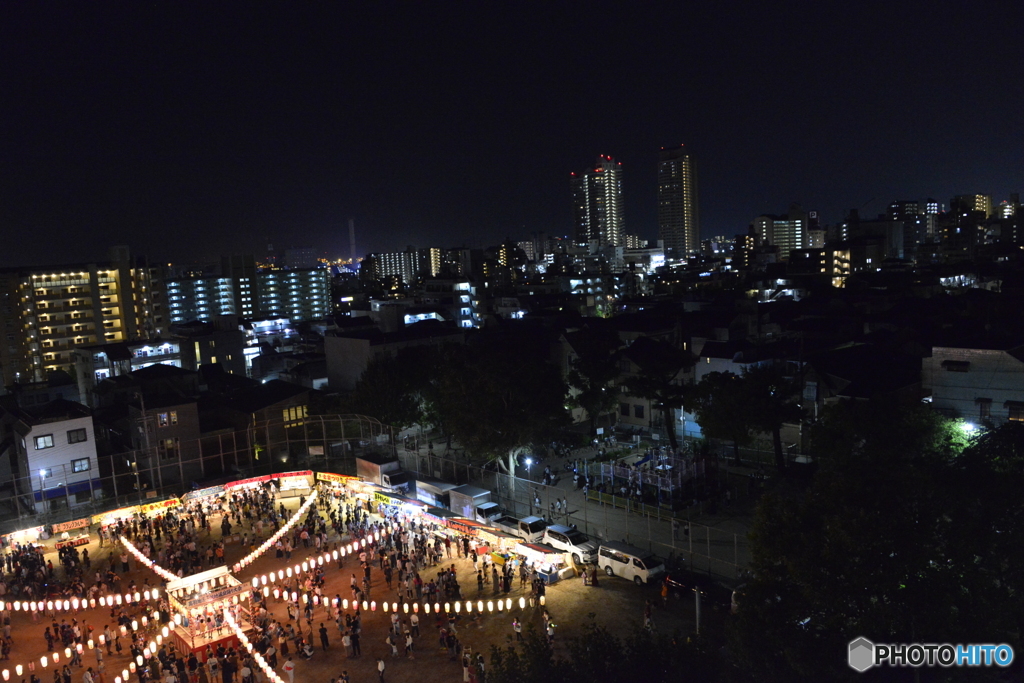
x=529, y=461
x=969, y=427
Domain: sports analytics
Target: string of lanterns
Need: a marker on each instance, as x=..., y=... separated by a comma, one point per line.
x=163, y=573
x=74, y=604
x=269, y=581
x=269, y=543
x=55, y=657
x=244, y=640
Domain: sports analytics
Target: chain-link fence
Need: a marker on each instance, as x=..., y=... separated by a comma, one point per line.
x=719, y=549
x=118, y=479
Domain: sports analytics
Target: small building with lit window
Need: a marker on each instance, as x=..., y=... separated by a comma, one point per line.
x=981, y=382
x=95, y=363
x=52, y=456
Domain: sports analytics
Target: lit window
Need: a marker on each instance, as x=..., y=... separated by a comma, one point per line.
x=77, y=436
x=45, y=441
x=80, y=465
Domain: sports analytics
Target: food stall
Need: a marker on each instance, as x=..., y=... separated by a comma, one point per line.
x=198, y=603
x=545, y=559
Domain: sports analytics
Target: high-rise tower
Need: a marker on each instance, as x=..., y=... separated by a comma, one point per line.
x=597, y=203
x=678, y=209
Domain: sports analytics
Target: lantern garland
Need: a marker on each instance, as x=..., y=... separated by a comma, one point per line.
x=269, y=543
x=74, y=604
x=163, y=573
x=244, y=640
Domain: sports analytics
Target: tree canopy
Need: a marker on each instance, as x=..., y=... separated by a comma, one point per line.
x=904, y=535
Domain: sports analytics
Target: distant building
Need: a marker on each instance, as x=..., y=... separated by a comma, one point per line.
x=787, y=232
x=597, y=204
x=678, y=206
x=301, y=257
x=95, y=363
x=47, y=312
x=978, y=382
x=301, y=294
x=52, y=456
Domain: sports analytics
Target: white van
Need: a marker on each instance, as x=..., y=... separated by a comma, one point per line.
x=619, y=559
x=571, y=541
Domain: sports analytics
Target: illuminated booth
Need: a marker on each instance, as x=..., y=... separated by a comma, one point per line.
x=198, y=603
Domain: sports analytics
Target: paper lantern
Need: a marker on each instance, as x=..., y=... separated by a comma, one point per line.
x=447, y=607
x=49, y=604
x=255, y=581
x=56, y=658
x=469, y=606
x=135, y=625
x=117, y=679
x=117, y=599
x=522, y=603
x=266, y=591
x=7, y=674
x=165, y=631
x=289, y=572
x=17, y=606
x=74, y=603
x=405, y=607
x=458, y=607
x=373, y=606
x=18, y=670
x=43, y=661
x=273, y=577
x=131, y=666
x=416, y=607
x=365, y=607
x=426, y=608
x=335, y=554
x=437, y=607
x=490, y=606
x=305, y=566
x=277, y=593
x=67, y=652
x=542, y=600
x=91, y=644
x=156, y=593
x=138, y=596
x=480, y=606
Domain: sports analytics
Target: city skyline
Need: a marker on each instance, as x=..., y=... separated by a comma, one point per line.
x=192, y=132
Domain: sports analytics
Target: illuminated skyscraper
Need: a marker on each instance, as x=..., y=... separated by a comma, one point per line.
x=597, y=203
x=678, y=208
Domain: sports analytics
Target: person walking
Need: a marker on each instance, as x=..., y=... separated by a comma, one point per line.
x=289, y=668
x=324, y=643
x=518, y=628
x=380, y=669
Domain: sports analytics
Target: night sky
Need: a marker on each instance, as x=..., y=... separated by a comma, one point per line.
x=188, y=130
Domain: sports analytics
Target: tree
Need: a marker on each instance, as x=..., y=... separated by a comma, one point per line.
x=592, y=375
x=389, y=390
x=719, y=407
x=902, y=535
x=498, y=395
x=770, y=403
x=660, y=379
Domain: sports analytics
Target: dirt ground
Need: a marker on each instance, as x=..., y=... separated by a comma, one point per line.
x=616, y=603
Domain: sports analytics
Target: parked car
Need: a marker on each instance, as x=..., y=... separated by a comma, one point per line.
x=619, y=559
x=571, y=541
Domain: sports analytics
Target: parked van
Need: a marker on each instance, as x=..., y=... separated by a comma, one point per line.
x=572, y=541
x=619, y=559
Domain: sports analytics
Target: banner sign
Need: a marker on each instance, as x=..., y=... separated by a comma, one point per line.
x=218, y=595
x=267, y=477
x=73, y=524
x=336, y=478
x=81, y=540
x=203, y=493
x=161, y=506
x=114, y=515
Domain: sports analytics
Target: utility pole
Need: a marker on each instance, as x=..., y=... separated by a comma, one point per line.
x=145, y=436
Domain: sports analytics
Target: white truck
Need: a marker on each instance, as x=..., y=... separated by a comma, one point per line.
x=530, y=529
